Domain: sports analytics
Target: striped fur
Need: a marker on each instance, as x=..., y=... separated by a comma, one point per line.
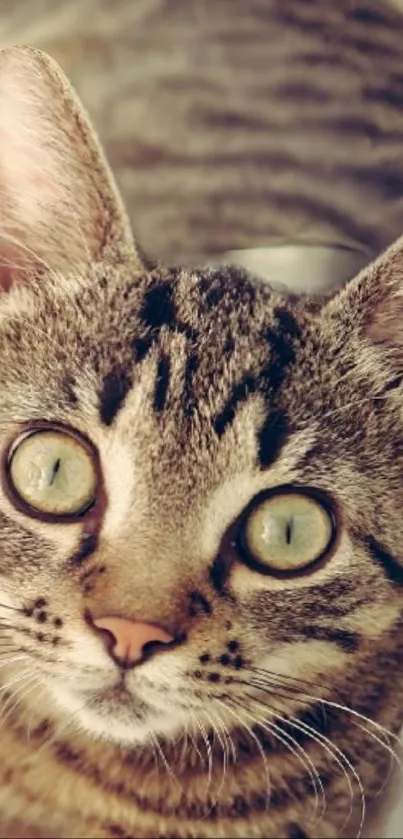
x=344, y=622
x=201, y=390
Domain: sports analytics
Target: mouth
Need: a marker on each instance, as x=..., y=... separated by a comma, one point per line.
x=117, y=699
x=128, y=707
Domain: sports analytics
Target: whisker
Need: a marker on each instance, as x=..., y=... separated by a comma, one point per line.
x=6, y=687
x=339, y=756
x=193, y=741
x=185, y=738
x=294, y=679
x=223, y=746
x=295, y=748
x=353, y=713
x=253, y=736
x=6, y=662
x=337, y=706
x=24, y=691
x=393, y=756
x=334, y=751
x=227, y=735
x=10, y=608
x=166, y=762
x=209, y=752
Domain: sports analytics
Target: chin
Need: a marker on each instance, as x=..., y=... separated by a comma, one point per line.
x=117, y=716
x=118, y=726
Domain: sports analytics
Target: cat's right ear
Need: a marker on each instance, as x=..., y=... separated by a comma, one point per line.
x=371, y=305
x=59, y=206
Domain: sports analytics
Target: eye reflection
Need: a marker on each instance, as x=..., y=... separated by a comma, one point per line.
x=287, y=532
x=53, y=473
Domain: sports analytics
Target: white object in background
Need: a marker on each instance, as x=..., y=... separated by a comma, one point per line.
x=312, y=269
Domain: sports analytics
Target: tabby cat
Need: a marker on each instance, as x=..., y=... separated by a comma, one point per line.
x=200, y=504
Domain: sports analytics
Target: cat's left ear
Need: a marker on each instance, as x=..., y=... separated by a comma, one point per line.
x=372, y=303
x=59, y=206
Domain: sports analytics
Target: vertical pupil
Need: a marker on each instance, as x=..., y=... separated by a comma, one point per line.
x=56, y=467
x=289, y=530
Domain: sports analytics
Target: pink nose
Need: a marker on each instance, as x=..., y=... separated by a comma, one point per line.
x=129, y=638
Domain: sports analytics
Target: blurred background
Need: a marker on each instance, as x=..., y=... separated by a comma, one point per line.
x=234, y=124
x=166, y=84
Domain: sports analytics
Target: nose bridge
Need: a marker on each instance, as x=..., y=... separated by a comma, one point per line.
x=146, y=579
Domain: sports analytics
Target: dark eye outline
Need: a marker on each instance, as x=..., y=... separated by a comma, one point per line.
x=322, y=498
x=37, y=427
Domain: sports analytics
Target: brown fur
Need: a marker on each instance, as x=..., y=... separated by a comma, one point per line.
x=226, y=730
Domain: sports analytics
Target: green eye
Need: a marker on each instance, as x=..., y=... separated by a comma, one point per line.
x=53, y=473
x=287, y=532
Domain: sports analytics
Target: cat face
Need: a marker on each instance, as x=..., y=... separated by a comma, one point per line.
x=186, y=449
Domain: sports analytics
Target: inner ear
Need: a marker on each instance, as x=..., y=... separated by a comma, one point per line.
x=371, y=305
x=59, y=206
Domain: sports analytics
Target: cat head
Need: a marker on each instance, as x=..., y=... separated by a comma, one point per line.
x=184, y=449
